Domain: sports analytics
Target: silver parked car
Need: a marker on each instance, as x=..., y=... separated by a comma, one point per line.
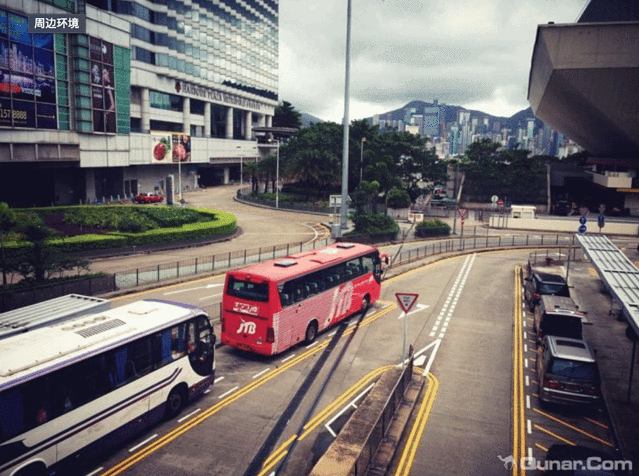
x=567, y=372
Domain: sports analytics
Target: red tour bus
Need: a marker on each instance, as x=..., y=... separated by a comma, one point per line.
x=269, y=307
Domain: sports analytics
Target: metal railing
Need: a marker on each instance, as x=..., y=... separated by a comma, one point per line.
x=235, y=259
x=488, y=242
x=381, y=426
x=209, y=264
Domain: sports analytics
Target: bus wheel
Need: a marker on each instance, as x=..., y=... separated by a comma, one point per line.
x=366, y=302
x=175, y=401
x=311, y=332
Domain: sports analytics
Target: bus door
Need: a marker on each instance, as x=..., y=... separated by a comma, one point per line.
x=200, y=343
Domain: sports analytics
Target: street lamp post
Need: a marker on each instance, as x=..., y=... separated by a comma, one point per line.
x=344, y=205
x=361, y=161
x=277, y=177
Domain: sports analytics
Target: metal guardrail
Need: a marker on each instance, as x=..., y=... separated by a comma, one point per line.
x=487, y=242
x=225, y=261
x=381, y=426
x=208, y=264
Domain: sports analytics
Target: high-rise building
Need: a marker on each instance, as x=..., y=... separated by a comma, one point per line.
x=431, y=122
x=149, y=90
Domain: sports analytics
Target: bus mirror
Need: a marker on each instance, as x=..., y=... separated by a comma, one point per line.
x=385, y=258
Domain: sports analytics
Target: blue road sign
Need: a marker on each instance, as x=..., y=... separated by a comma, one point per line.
x=601, y=221
x=582, y=229
x=582, y=220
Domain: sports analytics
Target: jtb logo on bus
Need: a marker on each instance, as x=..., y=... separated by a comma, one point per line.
x=246, y=328
x=342, y=301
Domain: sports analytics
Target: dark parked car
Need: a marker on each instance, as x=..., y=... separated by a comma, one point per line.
x=538, y=284
x=562, y=208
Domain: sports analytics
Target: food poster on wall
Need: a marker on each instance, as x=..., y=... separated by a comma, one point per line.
x=181, y=147
x=161, y=148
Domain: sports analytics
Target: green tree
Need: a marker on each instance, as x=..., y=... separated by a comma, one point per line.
x=268, y=171
x=491, y=170
x=7, y=224
x=251, y=169
x=32, y=229
x=286, y=116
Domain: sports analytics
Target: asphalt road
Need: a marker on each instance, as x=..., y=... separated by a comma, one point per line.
x=259, y=227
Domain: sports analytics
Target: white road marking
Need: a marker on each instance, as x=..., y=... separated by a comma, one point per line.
x=186, y=417
x=228, y=393
x=151, y=438
x=261, y=373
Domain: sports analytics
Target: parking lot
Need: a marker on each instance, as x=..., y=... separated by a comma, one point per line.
x=609, y=427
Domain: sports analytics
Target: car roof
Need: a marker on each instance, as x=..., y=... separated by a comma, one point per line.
x=571, y=349
x=560, y=305
x=550, y=278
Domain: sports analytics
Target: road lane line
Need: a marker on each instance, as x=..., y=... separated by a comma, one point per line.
x=226, y=394
x=288, y=358
x=555, y=435
x=140, y=445
x=261, y=373
x=412, y=443
x=598, y=423
x=519, y=412
x=574, y=428
x=186, y=417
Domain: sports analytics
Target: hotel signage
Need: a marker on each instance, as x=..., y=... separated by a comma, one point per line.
x=206, y=93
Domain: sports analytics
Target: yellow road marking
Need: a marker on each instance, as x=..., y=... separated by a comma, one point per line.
x=412, y=443
x=206, y=414
x=555, y=435
x=541, y=447
x=574, y=428
x=519, y=412
x=280, y=452
x=598, y=423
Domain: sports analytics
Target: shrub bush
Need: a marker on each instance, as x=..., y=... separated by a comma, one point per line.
x=211, y=223
x=432, y=228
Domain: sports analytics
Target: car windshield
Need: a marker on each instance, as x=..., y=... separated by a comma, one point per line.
x=574, y=369
x=553, y=289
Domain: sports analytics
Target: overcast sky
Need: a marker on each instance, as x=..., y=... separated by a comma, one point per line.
x=469, y=53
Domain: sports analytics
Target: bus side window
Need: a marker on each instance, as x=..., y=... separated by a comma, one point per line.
x=11, y=422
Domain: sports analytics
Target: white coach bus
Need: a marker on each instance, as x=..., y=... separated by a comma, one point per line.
x=86, y=384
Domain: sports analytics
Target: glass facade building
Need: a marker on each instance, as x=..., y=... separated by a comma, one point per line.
x=198, y=74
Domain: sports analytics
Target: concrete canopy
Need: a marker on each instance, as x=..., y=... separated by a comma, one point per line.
x=584, y=82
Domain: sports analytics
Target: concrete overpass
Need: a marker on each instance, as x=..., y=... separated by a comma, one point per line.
x=584, y=82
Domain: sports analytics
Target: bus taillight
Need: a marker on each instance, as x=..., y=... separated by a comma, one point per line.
x=270, y=335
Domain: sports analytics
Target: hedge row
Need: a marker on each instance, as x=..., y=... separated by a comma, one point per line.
x=432, y=228
x=220, y=223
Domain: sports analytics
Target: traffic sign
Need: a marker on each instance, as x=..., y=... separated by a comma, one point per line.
x=463, y=213
x=601, y=220
x=406, y=300
x=494, y=198
x=582, y=220
x=582, y=229
x=583, y=211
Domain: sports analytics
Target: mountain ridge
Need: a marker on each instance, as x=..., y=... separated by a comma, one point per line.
x=451, y=114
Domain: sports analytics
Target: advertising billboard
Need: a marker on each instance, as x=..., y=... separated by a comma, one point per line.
x=27, y=75
x=102, y=85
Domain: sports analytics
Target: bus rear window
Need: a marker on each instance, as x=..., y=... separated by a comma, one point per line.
x=247, y=290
